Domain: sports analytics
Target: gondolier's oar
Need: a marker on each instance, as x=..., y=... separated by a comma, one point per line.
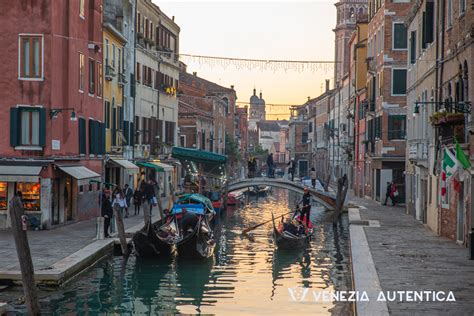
x=245, y=231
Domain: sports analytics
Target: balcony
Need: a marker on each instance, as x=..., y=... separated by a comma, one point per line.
x=109, y=72
x=122, y=79
x=418, y=149
x=371, y=64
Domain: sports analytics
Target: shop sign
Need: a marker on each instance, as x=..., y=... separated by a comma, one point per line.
x=56, y=144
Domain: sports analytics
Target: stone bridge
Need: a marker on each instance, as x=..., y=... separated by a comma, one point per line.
x=327, y=199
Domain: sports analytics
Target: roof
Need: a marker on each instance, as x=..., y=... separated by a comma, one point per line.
x=189, y=109
x=189, y=79
x=268, y=126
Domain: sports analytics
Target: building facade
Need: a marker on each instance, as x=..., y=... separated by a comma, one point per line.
x=242, y=133
x=257, y=114
x=51, y=102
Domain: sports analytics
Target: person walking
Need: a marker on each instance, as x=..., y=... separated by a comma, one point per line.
x=137, y=200
x=313, y=176
x=292, y=168
x=106, y=212
x=393, y=193
x=149, y=194
x=120, y=201
x=128, y=197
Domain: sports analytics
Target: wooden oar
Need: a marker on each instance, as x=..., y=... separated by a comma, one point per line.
x=245, y=231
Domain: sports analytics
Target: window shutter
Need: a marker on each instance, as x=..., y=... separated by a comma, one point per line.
x=91, y=137
x=423, y=33
x=126, y=132
x=14, y=127
x=42, y=127
x=82, y=136
x=132, y=85
x=429, y=19
x=102, y=145
x=132, y=134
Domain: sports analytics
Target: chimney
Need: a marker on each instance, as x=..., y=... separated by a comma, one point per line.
x=195, y=73
x=309, y=98
x=172, y=18
x=327, y=85
x=232, y=87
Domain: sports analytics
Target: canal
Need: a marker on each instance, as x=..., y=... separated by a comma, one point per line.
x=247, y=274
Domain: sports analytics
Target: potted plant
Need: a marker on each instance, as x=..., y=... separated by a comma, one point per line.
x=438, y=118
x=455, y=118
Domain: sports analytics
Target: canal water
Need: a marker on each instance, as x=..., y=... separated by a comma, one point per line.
x=247, y=274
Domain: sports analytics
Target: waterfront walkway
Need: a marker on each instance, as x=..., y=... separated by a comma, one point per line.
x=51, y=246
x=408, y=256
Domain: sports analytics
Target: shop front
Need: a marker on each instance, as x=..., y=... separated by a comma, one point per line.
x=160, y=172
x=25, y=181
x=121, y=172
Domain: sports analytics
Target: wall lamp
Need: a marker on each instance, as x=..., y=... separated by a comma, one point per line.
x=53, y=113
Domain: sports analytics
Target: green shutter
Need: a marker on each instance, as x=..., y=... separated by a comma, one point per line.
x=429, y=20
x=102, y=139
x=91, y=127
x=42, y=127
x=97, y=141
x=82, y=136
x=14, y=127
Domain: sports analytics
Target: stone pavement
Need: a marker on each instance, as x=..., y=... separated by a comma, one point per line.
x=408, y=256
x=50, y=246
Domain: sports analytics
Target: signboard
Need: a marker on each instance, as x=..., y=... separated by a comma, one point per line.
x=56, y=144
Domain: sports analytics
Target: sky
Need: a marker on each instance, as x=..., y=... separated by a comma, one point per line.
x=288, y=30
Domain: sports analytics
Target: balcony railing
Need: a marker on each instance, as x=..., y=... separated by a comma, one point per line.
x=418, y=149
x=109, y=72
x=122, y=79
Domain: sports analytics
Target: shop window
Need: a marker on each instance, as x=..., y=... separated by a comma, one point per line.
x=30, y=195
x=3, y=195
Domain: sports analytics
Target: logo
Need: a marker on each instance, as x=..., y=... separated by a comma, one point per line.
x=298, y=294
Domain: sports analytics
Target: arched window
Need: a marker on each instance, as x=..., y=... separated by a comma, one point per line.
x=351, y=13
x=226, y=106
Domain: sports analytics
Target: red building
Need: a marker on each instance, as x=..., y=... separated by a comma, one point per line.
x=51, y=103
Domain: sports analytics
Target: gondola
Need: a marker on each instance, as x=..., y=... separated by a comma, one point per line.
x=287, y=240
x=151, y=241
x=197, y=235
x=260, y=190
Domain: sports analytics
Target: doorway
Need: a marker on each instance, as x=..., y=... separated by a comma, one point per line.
x=302, y=168
x=67, y=194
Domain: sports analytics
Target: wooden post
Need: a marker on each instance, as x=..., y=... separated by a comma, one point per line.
x=121, y=230
x=342, y=187
x=226, y=192
x=24, y=256
x=160, y=204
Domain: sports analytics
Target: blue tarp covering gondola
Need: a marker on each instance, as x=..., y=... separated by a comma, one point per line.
x=195, y=199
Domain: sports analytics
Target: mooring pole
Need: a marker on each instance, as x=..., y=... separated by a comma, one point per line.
x=121, y=230
x=19, y=227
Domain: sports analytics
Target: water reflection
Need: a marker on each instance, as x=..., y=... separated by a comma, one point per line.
x=246, y=275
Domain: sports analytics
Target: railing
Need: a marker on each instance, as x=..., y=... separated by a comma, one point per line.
x=122, y=79
x=418, y=149
x=109, y=71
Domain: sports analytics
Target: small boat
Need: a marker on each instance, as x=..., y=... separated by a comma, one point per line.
x=198, y=199
x=236, y=197
x=260, y=190
x=216, y=200
x=284, y=239
x=197, y=236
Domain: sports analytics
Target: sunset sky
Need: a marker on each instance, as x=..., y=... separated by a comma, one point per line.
x=289, y=30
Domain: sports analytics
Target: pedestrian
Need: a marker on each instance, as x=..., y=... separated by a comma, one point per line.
x=128, y=197
x=270, y=165
x=394, y=193
x=137, y=200
x=202, y=185
x=106, y=212
x=305, y=211
x=292, y=168
x=149, y=194
x=313, y=176
x=120, y=201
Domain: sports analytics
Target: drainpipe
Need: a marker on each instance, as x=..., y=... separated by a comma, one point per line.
x=133, y=133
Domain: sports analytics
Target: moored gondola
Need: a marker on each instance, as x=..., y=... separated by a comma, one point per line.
x=286, y=239
x=152, y=242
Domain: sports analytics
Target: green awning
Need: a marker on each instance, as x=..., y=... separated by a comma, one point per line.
x=196, y=155
x=151, y=166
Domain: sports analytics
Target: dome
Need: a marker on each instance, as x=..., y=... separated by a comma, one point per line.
x=254, y=100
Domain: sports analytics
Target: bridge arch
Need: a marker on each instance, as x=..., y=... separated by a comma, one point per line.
x=325, y=198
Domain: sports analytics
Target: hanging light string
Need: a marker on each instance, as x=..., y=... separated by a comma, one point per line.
x=236, y=62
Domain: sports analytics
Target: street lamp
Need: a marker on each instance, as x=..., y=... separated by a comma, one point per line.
x=53, y=113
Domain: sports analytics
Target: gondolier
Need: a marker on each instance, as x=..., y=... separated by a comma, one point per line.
x=306, y=206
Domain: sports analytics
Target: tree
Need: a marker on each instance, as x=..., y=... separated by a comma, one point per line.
x=232, y=151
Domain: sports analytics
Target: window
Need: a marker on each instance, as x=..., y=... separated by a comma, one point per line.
x=449, y=12
x=99, y=80
x=169, y=132
x=119, y=68
x=413, y=47
x=304, y=136
x=138, y=72
x=107, y=60
x=399, y=36
x=462, y=7
x=91, y=76
x=81, y=8
x=81, y=72
x=399, y=81
x=378, y=127
x=31, y=56
x=27, y=126
x=182, y=141
x=310, y=126
x=396, y=127
x=107, y=114
x=113, y=55
x=428, y=22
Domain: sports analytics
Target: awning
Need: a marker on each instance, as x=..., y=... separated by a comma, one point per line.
x=127, y=165
x=196, y=155
x=82, y=174
x=151, y=166
x=20, y=173
x=163, y=165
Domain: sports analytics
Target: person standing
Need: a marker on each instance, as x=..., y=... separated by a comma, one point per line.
x=393, y=193
x=128, y=198
x=313, y=176
x=389, y=193
x=292, y=168
x=137, y=200
x=306, y=207
x=270, y=165
x=120, y=201
x=149, y=193
x=106, y=212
